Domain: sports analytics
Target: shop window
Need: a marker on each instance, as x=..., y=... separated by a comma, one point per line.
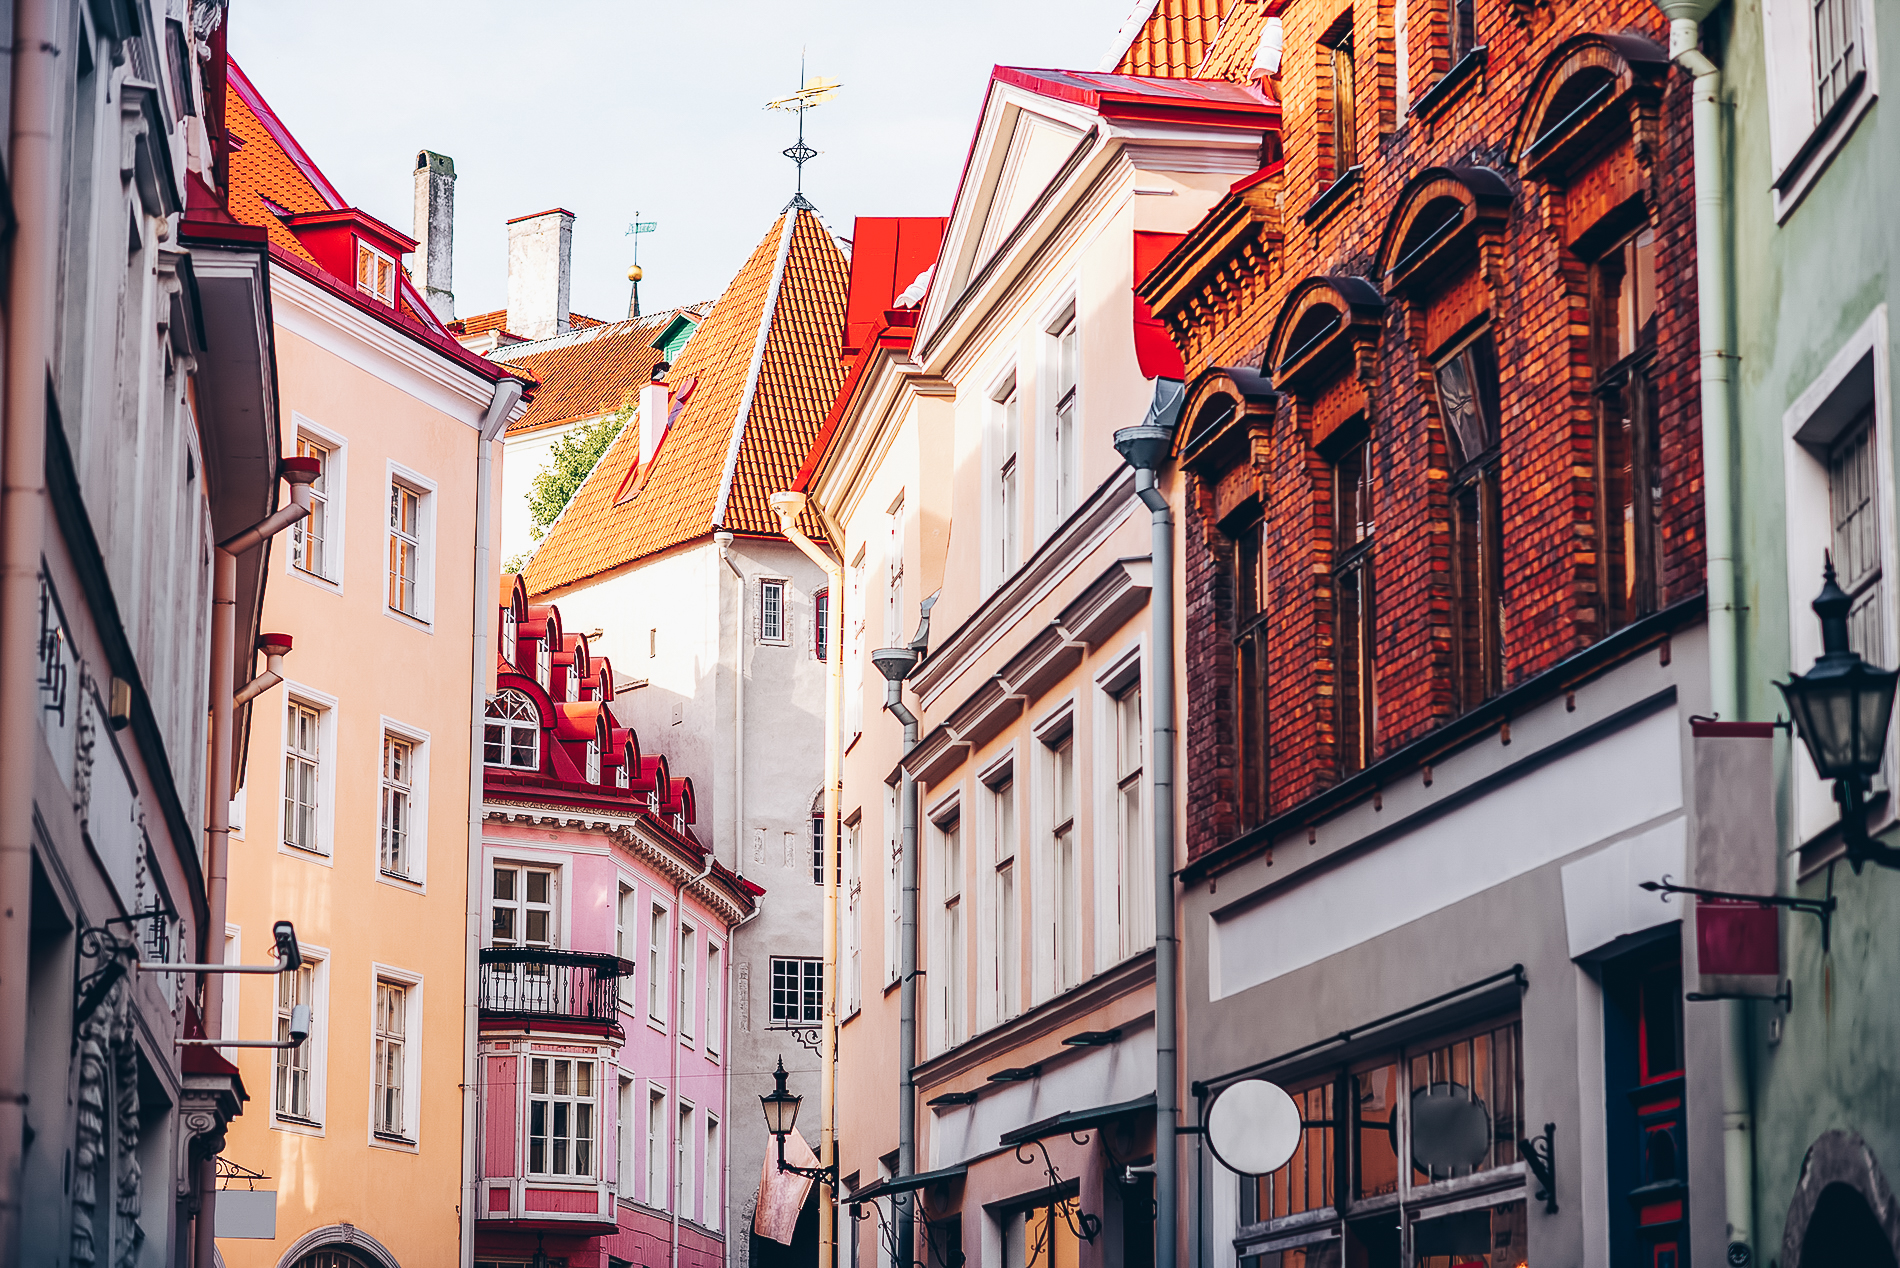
x=1628, y=457
x=1356, y=688
x=1044, y=1234
x=1467, y=382
x=1250, y=557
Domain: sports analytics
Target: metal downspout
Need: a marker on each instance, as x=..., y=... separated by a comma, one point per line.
x=500, y=406
x=723, y=540
x=676, y=1033
x=788, y=506
x=725, y=1089
x=1714, y=296
x=32, y=169
x=906, y=977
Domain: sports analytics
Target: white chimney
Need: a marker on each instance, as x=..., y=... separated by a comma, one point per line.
x=435, y=230
x=540, y=248
x=653, y=406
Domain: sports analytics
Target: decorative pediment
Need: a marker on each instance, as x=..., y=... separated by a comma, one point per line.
x=1036, y=150
x=1328, y=326
x=1438, y=224
x=1593, y=91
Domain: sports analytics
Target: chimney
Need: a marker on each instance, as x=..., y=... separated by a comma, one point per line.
x=654, y=401
x=435, y=230
x=540, y=248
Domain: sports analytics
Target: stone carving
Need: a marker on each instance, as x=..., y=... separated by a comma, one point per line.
x=108, y=1094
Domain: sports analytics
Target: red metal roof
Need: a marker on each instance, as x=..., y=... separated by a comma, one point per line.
x=1147, y=97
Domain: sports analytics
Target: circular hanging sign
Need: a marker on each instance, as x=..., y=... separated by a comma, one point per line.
x=1253, y=1127
x=1451, y=1128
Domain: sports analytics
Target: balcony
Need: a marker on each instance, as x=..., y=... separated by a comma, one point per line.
x=533, y=984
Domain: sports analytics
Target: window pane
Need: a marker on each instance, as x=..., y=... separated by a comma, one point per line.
x=1375, y=1168
x=1306, y=1182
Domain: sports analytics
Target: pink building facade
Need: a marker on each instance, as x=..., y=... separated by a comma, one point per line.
x=604, y=975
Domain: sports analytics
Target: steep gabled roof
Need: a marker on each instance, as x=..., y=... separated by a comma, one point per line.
x=1173, y=39
x=482, y=323
x=766, y=369
x=587, y=374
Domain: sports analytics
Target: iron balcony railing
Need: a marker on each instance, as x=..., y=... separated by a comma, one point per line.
x=532, y=982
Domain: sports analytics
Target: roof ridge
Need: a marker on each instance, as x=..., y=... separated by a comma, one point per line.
x=789, y=223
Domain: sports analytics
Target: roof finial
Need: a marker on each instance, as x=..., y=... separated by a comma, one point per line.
x=634, y=274
x=815, y=92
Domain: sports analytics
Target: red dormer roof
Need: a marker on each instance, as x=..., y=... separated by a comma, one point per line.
x=330, y=237
x=888, y=254
x=580, y=722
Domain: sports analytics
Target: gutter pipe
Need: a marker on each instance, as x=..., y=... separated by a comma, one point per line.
x=723, y=540
x=725, y=1084
x=907, y=945
x=500, y=407
x=677, y=1033
x=1714, y=250
x=1144, y=447
x=788, y=506
x=33, y=170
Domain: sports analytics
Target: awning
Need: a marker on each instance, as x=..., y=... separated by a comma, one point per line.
x=904, y=1184
x=1077, y=1120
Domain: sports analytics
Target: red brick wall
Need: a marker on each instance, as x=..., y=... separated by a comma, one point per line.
x=1537, y=298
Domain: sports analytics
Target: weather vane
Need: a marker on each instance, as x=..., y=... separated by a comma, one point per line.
x=816, y=92
x=634, y=274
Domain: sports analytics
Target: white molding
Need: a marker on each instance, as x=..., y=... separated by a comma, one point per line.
x=328, y=758
x=411, y=981
x=1788, y=53
x=318, y=1044
x=396, y=473
x=305, y=309
x=418, y=880
x=336, y=501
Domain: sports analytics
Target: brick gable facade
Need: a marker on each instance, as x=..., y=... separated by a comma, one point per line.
x=1561, y=134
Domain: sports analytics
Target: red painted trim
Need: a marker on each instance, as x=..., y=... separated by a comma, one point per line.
x=1661, y=1213
x=1709, y=730
x=1248, y=182
x=254, y=101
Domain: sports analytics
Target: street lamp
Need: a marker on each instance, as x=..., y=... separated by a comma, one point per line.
x=1841, y=708
x=781, y=1116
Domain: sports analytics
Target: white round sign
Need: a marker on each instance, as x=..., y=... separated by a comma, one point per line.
x=1253, y=1127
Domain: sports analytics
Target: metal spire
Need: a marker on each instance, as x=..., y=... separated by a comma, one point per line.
x=816, y=92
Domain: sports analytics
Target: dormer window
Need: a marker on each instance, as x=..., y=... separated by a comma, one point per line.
x=511, y=734
x=508, y=644
x=593, y=762
x=375, y=273
x=622, y=777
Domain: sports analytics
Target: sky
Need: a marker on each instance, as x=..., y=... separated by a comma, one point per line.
x=613, y=110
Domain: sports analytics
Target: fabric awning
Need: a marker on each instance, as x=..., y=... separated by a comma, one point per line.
x=1076, y=1120
x=904, y=1184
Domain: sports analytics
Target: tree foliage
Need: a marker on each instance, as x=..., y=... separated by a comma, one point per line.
x=573, y=456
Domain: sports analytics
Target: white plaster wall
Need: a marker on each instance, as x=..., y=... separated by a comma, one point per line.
x=523, y=458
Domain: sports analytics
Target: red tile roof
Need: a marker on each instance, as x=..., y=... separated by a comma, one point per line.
x=1174, y=41
x=482, y=323
x=725, y=454
x=589, y=374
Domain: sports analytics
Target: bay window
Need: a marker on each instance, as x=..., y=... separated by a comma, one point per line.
x=560, y=1117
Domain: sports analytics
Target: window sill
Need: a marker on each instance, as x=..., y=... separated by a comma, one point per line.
x=418, y=623
x=292, y=1123
x=1433, y=101
x=1333, y=197
x=317, y=579
x=390, y=1140
x=1794, y=180
x=413, y=884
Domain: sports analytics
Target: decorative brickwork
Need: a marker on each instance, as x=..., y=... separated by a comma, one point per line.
x=1565, y=132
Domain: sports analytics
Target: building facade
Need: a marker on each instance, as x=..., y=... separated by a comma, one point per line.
x=353, y=816
x=671, y=553
x=1441, y=532
x=140, y=430
x=969, y=475
x=1813, y=479
x=605, y=971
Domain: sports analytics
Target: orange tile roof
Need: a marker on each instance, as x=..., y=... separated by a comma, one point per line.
x=482, y=323
x=591, y=375
x=679, y=500
x=260, y=169
x=1231, y=56
x=1176, y=37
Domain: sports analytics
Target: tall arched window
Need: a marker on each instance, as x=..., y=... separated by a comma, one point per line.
x=512, y=736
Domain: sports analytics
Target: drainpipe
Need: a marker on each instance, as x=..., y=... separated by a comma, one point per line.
x=725, y=1084
x=677, y=1033
x=896, y=664
x=1143, y=448
x=1713, y=250
x=298, y=472
x=723, y=540
x=788, y=506
x=33, y=168
x=500, y=407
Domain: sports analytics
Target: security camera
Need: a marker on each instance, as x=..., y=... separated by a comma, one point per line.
x=299, y=1023
x=288, y=956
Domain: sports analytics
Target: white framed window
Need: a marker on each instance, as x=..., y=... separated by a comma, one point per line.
x=523, y=904
x=1823, y=74
x=626, y=932
x=511, y=735
x=854, y=615
x=233, y=954
x=894, y=579
x=297, y=1075
x=1063, y=481
x=510, y=634
x=658, y=923
x=1007, y=497
x=316, y=541
x=821, y=625
x=1004, y=916
x=402, y=830
x=656, y=1146
x=561, y=1117
x=626, y=1138
x=951, y=949
x=893, y=858
x=683, y=1161
x=1838, y=466
x=772, y=622
x=309, y=785
x=715, y=984
x=1062, y=938
x=687, y=960
x=852, y=988
x=710, y=1206
x=1134, y=854
x=375, y=273
x=798, y=992
x=395, y=1055
x=593, y=761
x=410, y=587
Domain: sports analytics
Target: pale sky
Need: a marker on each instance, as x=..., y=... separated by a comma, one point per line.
x=611, y=108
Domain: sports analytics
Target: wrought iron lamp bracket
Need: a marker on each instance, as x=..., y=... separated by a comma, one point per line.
x=1083, y=1224
x=1540, y=1156
x=827, y=1175
x=115, y=957
x=1823, y=908
x=807, y=1038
